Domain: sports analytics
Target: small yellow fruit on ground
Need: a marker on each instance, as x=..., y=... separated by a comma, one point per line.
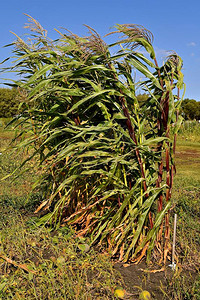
x=119, y=293
x=145, y=295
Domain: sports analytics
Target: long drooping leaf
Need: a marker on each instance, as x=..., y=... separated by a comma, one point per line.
x=144, y=70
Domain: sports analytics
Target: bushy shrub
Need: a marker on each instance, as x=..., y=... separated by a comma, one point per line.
x=9, y=102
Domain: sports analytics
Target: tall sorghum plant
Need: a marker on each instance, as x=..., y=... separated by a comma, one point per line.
x=106, y=163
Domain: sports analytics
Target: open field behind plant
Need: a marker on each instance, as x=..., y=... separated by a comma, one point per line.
x=36, y=263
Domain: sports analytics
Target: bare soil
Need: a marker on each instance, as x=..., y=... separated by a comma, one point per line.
x=135, y=276
x=158, y=283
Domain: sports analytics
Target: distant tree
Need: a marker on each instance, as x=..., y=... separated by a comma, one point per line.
x=9, y=102
x=191, y=109
x=142, y=98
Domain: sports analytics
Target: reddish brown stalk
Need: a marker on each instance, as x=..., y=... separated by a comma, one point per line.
x=77, y=120
x=171, y=180
x=119, y=200
x=167, y=169
x=164, y=120
x=160, y=202
x=160, y=173
x=130, y=185
x=177, y=114
x=158, y=183
x=159, y=180
x=173, y=168
x=162, y=125
x=165, y=112
x=159, y=148
x=132, y=135
x=150, y=220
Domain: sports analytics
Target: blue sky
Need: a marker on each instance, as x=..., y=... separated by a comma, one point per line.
x=174, y=24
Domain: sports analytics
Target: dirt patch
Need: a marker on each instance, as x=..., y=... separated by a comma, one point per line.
x=188, y=154
x=158, y=284
x=136, y=278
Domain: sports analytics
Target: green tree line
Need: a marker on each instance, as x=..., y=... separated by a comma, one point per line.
x=9, y=102
x=190, y=109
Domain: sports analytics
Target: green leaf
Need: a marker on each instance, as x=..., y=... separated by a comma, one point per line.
x=39, y=73
x=144, y=70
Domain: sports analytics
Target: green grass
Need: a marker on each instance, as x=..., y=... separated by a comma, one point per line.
x=65, y=267
x=13, y=192
x=186, y=198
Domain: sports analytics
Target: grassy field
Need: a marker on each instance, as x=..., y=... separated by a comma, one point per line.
x=36, y=263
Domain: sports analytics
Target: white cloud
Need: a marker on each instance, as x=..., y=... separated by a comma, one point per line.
x=191, y=44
